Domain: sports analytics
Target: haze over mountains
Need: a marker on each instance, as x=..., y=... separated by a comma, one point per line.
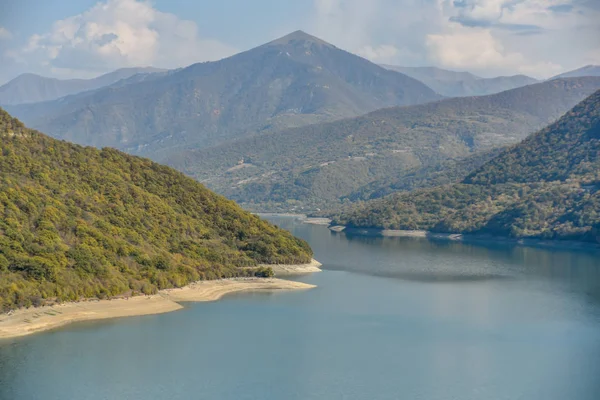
x=460, y=84
x=31, y=88
x=318, y=165
x=293, y=81
x=547, y=187
x=589, y=70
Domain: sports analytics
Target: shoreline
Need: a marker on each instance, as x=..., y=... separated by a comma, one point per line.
x=466, y=238
x=305, y=219
x=274, y=214
x=317, y=221
x=32, y=320
x=297, y=269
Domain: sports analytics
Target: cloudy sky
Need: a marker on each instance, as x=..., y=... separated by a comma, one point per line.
x=85, y=38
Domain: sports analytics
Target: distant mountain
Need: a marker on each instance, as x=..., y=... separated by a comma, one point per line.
x=319, y=165
x=31, y=88
x=433, y=73
x=547, y=187
x=590, y=70
x=460, y=84
x=292, y=81
x=79, y=222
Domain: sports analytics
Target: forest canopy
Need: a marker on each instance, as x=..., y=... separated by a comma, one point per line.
x=78, y=222
x=546, y=187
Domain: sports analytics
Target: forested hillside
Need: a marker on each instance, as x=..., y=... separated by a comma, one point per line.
x=546, y=187
x=318, y=166
x=443, y=173
x=564, y=151
x=80, y=222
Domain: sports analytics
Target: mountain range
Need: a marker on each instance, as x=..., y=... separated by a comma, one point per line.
x=78, y=222
x=31, y=88
x=319, y=165
x=589, y=70
x=461, y=84
x=547, y=187
x=299, y=124
x=292, y=81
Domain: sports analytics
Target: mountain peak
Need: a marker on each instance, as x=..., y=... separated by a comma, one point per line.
x=298, y=36
x=588, y=70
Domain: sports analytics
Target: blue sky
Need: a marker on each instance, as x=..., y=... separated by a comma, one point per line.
x=242, y=22
x=84, y=38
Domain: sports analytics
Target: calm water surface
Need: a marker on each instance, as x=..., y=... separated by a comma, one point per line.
x=392, y=318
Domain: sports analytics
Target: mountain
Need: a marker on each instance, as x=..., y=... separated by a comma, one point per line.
x=320, y=165
x=31, y=88
x=292, y=81
x=460, y=84
x=442, y=173
x=590, y=70
x=547, y=187
x=80, y=222
x=421, y=73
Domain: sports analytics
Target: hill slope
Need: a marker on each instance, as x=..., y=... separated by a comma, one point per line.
x=442, y=173
x=589, y=70
x=80, y=222
x=293, y=81
x=461, y=84
x=315, y=166
x=31, y=88
x=546, y=187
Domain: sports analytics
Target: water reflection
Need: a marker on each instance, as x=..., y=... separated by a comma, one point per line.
x=437, y=261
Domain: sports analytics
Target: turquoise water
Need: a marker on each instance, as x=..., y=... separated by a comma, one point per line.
x=391, y=319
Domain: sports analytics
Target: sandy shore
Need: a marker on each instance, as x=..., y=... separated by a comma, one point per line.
x=214, y=290
x=289, y=269
x=27, y=321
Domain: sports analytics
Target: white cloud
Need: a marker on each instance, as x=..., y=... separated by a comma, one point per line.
x=347, y=22
x=463, y=47
x=593, y=56
x=383, y=31
x=478, y=49
x=489, y=37
x=5, y=34
x=120, y=33
x=514, y=36
x=483, y=10
x=383, y=53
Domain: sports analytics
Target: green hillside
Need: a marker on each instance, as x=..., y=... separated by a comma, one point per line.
x=318, y=166
x=565, y=151
x=443, y=173
x=547, y=187
x=80, y=222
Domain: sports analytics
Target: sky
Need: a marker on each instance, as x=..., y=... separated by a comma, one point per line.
x=86, y=38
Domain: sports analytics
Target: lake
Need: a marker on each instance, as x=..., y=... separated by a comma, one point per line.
x=392, y=318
